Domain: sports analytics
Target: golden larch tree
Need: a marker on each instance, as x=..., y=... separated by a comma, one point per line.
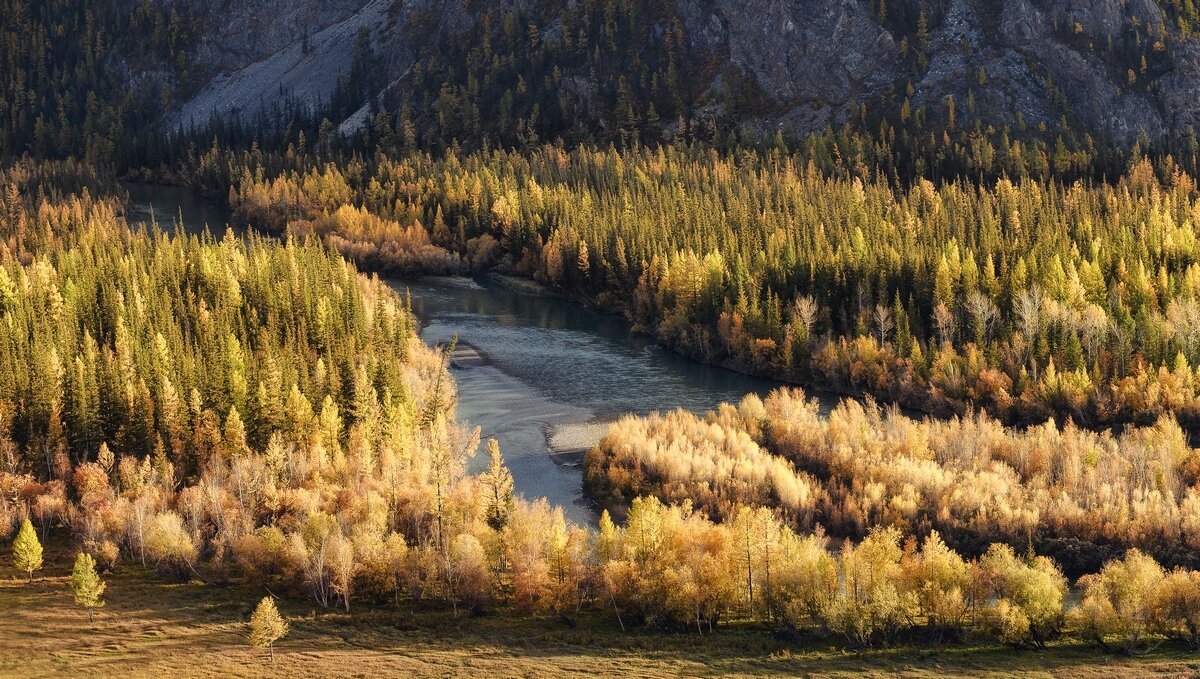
x=86, y=584
x=267, y=626
x=27, y=551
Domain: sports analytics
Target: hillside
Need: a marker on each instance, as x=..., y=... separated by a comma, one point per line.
x=514, y=72
x=1110, y=68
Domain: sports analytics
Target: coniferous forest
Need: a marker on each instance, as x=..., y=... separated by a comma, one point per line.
x=244, y=420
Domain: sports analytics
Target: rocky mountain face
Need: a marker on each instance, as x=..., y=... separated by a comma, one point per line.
x=823, y=59
x=1113, y=68
x=264, y=52
x=1070, y=50
x=235, y=34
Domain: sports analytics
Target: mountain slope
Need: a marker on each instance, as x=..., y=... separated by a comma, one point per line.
x=1111, y=68
x=599, y=71
x=305, y=68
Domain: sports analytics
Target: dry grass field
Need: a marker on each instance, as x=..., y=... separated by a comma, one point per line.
x=154, y=628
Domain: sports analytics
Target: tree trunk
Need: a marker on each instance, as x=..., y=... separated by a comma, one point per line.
x=613, y=600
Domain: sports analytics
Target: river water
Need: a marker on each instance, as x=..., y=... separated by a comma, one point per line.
x=541, y=375
x=167, y=205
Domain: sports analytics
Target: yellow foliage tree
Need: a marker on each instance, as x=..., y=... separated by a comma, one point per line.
x=267, y=626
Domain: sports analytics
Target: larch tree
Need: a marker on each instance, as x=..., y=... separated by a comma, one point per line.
x=498, y=487
x=86, y=584
x=583, y=262
x=27, y=551
x=267, y=626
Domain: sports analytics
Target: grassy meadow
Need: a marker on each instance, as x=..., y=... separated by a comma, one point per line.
x=153, y=628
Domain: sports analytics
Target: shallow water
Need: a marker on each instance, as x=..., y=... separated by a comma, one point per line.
x=538, y=373
x=538, y=368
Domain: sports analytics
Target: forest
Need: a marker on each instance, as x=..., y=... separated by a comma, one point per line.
x=1011, y=313
x=256, y=409
x=1024, y=299
x=1076, y=495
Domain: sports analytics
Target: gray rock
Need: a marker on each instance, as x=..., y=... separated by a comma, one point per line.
x=818, y=60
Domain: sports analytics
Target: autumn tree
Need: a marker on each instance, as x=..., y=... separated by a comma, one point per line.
x=498, y=488
x=312, y=551
x=466, y=572
x=267, y=626
x=1118, y=605
x=342, y=566
x=169, y=544
x=870, y=605
x=1176, y=607
x=1028, y=597
x=940, y=579
x=86, y=584
x=27, y=550
x=806, y=579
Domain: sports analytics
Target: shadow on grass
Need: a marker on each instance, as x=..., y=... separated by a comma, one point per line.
x=151, y=625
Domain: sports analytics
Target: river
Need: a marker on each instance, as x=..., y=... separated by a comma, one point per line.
x=541, y=375
x=166, y=205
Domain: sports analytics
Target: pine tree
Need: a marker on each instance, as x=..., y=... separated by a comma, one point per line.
x=27, y=551
x=86, y=584
x=267, y=626
x=235, y=434
x=943, y=284
x=1073, y=352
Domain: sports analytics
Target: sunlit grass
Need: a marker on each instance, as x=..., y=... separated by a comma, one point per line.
x=155, y=628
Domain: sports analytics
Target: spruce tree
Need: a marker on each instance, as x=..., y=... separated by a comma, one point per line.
x=27, y=551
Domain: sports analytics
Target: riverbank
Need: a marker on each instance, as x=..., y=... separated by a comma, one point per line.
x=606, y=303
x=568, y=443
x=544, y=376
x=527, y=286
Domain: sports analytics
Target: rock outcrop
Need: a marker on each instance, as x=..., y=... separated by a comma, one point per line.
x=268, y=52
x=823, y=59
x=1016, y=63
